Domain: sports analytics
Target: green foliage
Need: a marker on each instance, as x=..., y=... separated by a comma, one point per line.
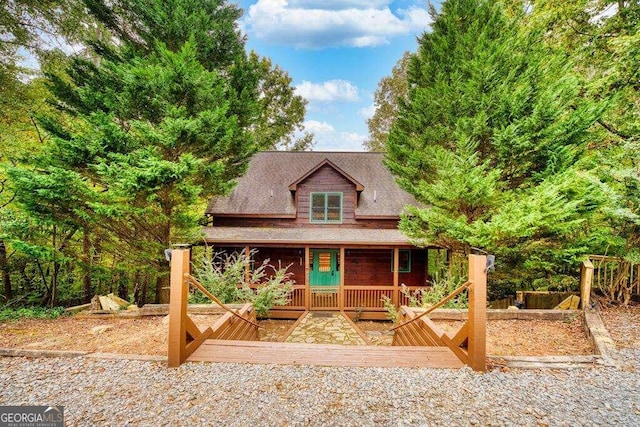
x=30, y=313
x=439, y=289
x=426, y=297
x=224, y=276
x=557, y=283
x=386, y=98
x=392, y=311
x=491, y=139
x=161, y=112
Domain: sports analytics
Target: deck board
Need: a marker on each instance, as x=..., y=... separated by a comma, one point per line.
x=324, y=354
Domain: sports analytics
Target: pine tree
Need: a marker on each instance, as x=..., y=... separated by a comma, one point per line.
x=159, y=115
x=491, y=138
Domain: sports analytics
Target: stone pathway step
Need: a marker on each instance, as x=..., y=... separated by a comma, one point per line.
x=325, y=327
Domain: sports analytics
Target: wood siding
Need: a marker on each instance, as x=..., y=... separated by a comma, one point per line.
x=363, y=267
x=368, y=267
x=293, y=223
x=326, y=179
x=282, y=257
x=373, y=267
x=418, y=274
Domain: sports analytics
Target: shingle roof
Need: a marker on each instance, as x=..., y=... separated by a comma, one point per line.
x=264, y=189
x=303, y=236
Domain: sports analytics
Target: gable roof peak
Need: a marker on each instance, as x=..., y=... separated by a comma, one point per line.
x=326, y=162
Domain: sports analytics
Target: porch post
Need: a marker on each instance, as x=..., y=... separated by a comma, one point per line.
x=247, y=265
x=307, y=288
x=396, y=276
x=341, y=289
x=586, y=280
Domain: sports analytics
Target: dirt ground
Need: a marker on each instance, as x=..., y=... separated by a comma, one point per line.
x=623, y=324
x=511, y=337
x=148, y=335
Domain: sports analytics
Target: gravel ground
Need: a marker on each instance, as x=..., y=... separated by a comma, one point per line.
x=128, y=392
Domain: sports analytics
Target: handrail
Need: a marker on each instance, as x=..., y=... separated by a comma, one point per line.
x=439, y=304
x=193, y=281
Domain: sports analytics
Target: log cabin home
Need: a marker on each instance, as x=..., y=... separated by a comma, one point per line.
x=333, y=217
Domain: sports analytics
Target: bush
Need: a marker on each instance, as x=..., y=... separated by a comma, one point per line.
x=224, y=277
x=439, y=289
x=31, y=313
x=427, y=297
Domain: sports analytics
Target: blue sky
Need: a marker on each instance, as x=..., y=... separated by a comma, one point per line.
x=336, y=52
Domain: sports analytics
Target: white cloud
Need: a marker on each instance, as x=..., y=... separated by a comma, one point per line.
x=315, y=23
x=329, y=91
x=328, y=139
x=318, y=127
x=337, y=4
x=367, y=112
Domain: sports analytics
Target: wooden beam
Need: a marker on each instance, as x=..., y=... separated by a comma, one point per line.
x=395, y=297
x=586, y=280
x=477, y=350
x=192, y=329
x=341, y=288
x=247, y=264
x=178, y=307
x=307, y=274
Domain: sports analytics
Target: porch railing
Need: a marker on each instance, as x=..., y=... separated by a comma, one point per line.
x=354, y=297
x=617, y=278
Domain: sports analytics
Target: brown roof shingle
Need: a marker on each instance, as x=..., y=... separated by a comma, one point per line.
x=264, y=189
x=304, y=236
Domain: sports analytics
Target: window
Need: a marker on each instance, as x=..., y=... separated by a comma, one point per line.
x=404, y=261
x=324, y=262
x=326, y=207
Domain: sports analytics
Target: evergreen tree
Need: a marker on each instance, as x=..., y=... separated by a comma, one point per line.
x=603, y=38
x=386, y=97
x=159, y=115
x=491, y=138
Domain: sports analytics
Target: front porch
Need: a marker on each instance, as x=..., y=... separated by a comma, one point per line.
x=355, y=280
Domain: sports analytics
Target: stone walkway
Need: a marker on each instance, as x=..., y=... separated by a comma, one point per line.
x=325, y=328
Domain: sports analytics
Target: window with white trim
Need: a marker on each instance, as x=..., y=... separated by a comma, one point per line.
x=326, y=208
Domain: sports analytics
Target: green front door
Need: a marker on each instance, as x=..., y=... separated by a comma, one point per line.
x=325, y=270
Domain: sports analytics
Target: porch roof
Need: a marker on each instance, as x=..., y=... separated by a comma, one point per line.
x=306, y=236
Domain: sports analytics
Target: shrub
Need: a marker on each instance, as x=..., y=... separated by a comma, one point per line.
x=224, y=276
x=31, y=313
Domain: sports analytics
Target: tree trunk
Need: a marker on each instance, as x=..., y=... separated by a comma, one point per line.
x=123, y=286
x=6, y=276
x=86, y=268
x=144, y=292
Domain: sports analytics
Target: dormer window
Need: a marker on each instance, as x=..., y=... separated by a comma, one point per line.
x=326, y=208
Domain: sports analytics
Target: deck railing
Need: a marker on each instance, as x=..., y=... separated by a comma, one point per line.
x=617, y=278
x=469, y=342
x=184, y=335
x=368, y=298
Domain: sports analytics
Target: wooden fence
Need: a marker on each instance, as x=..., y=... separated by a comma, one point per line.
x=616, y=278
x=469, y=342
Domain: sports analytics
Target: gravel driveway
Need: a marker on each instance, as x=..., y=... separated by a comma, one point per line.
x=141, y=393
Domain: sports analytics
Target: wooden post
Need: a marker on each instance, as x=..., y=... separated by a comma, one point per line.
x=247, y=265
x=395, y=297
x=586, y=280
x=478, y=312
x=178, y=307
x=307, y=274
x=341, y=289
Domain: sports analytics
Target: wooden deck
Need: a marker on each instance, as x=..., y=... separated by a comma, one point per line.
x=324, y=354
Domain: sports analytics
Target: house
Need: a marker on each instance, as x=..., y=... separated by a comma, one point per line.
x=333, y=217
